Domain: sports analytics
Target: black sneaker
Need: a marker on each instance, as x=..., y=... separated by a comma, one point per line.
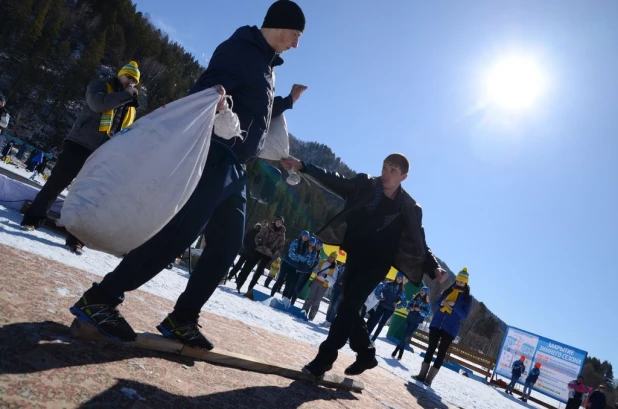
x=358, y=367
x=187, y=333
x=316, y=370
x=103, y=316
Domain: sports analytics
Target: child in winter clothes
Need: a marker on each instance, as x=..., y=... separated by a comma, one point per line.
x=419, y=308
x=531, y=379
x=452, y=308
x=272, y=273
x=517, y=369
x=391, y=296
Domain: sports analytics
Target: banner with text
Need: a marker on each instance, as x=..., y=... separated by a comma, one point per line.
x=560, y=363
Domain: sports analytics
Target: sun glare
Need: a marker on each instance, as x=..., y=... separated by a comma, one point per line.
x=515, y=83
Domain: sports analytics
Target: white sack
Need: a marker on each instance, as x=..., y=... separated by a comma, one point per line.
x=277, y=141
x=134, y=184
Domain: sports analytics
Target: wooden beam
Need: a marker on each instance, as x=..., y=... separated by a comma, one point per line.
x=154, y=342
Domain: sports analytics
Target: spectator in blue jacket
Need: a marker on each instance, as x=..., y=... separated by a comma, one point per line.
x=244, y=66
x=304, y=271
x=391, y=296
x=452, y=308
x=418, y=308
x=292, y=261
x=531, y=379
x=517, y=369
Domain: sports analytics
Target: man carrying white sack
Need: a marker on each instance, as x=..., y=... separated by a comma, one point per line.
x=244, y=66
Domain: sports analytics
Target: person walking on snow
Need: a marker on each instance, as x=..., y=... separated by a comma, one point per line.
x=247, y=249
x=452, y=307
x=271, y=241
x=379, y=227
x=531, y=379
x=391, y=296
x=110, y=107
x=517, y=370
x=292, y=261
x=244, y=66
x=418, y=308
x=325, y=276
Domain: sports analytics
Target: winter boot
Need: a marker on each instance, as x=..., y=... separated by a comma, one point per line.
x=423, y=373
x=395, y=352
x=358, y=367
x=400, y=354
x=433, y=371
x=95, y=308
x=187, y=333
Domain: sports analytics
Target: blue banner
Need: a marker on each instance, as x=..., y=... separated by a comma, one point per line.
x=560, y=363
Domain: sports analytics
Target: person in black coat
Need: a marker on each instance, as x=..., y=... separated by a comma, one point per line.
x=379, y=227
x=248, y=247
x=597, y=399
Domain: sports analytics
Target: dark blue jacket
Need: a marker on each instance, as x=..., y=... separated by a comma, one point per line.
x=244, y=64
x=518, y=368
x=533, y=375
x=296, y=257
x=392, y=294
x=418, y=316
x=451, y=322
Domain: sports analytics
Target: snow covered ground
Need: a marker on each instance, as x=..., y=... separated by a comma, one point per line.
x=21, y=171
x=452, y=387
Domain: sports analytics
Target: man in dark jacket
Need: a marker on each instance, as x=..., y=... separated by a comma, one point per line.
x=110, y=107
x=244, y=65
x=248, y=247
x=597, y=399
x=379, y=227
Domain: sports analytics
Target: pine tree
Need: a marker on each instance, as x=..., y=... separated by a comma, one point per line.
x=35, y=30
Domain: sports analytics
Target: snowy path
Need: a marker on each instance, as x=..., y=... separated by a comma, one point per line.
x=453, y=388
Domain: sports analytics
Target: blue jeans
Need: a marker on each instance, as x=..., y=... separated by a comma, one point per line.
x=514, y=379
x=527, y=389
x=335, y=300
x=380, y=317
x=410, y=328
x=217, y=208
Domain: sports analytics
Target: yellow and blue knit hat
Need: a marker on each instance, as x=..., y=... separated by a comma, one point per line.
x=130, y=69
x=463, y=275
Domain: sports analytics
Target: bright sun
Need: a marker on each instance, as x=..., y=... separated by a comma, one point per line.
x=515, y=83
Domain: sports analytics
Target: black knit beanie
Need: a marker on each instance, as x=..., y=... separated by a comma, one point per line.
x=285, y=14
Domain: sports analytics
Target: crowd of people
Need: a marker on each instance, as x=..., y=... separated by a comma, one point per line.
x=379, y=227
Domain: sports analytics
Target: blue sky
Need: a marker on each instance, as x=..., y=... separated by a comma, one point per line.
x=525, y=199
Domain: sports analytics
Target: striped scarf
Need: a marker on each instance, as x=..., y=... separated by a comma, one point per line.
x=107, y=118
x=451, y=297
